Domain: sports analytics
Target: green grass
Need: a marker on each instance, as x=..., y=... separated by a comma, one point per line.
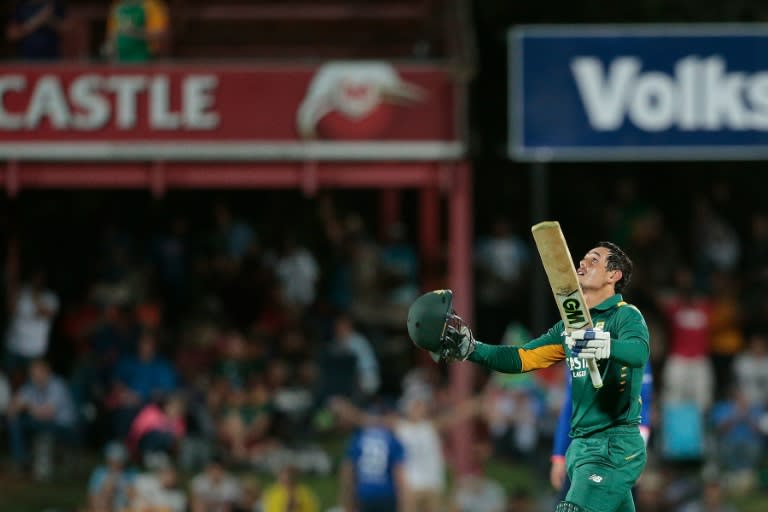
x=67, y=491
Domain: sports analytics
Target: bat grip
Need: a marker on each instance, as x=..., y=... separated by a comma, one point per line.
x=594, y=374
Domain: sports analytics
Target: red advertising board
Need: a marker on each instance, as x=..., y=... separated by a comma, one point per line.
x=335, y=111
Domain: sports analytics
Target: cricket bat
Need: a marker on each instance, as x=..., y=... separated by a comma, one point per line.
x=564, y=282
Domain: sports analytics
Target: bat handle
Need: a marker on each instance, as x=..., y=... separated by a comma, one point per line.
x=594, y=374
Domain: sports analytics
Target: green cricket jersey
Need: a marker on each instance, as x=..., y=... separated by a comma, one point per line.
x=128, y=47
x=618, y=401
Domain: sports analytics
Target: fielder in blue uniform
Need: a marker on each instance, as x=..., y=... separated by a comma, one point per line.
x=557, y=475
x=372, y=471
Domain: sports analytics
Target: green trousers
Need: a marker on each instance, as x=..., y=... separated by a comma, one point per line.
x=604, y=467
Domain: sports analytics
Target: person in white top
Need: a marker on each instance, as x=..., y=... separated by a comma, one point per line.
x=215, y=489
x=420, y=433
x=32, y=310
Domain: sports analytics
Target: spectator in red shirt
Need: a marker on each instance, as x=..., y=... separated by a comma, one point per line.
x=688, y=374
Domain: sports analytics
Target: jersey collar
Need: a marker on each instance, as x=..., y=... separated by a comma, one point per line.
x=609, y=303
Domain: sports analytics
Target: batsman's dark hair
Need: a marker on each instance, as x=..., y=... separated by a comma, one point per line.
x=618, y=260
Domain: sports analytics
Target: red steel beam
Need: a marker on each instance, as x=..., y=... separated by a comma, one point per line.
x=375, y=175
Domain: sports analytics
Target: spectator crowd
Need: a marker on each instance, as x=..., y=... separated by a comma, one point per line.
x=200, y=357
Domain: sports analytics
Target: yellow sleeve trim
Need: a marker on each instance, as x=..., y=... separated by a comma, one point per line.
x=157, y=16
x=540, y=357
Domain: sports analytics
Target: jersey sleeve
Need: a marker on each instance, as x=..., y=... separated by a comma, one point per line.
x=630, y=345
x=562, y=440
x=541, y=352
x=157, y=16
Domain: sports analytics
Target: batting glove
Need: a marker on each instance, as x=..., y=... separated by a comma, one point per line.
x=589, y=343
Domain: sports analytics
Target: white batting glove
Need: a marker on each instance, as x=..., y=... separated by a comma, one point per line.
x=589, y=343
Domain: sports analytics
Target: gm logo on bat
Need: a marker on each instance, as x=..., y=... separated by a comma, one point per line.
x=574, y=312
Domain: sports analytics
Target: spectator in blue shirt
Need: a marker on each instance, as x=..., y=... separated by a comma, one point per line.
x=557, y=475
x=740, y=441
x=35, y=28
x=109, y=484
x=139, y=379
x=372, y=471
x=41, y=408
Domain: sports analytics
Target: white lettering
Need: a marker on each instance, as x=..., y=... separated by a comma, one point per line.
x=652, y=107
x=724, y=99
x=701, y=94
x=160, y=115
x=48, y=100
x=199, y=96
x=127, y=90
x=604, y=98
x=91, y=110
x=91, y=102
x=757, y=93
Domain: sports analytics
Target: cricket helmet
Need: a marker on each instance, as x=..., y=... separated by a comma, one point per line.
x=428, y=318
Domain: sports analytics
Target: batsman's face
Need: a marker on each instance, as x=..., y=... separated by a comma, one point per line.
x=592, y=270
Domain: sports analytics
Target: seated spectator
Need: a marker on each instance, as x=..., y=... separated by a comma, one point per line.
x=110, y=484
x=476, y=493
x=157, y=490
x=159, y=427
x=139, y=380
x=42, y=408
x=136, y=30
x=35, y=28
x=215, y=490
x=244, y=420
x=288, y=494
x=712, y=499
x=737, y=429
x=750, y=368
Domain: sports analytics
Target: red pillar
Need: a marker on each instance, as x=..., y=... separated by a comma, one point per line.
x=460, y=281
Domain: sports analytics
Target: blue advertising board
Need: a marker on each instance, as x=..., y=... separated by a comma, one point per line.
x=655, y=92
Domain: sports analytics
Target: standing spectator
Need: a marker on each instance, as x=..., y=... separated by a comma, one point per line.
x=372, y=471
x=35, y=28
x=688, y=374
x=424, y=474
x=136, y=30
x=348, y=339
x=109, y=484
x=43, y=409
x=32, y=308
x=215, y=490
x=297, y=270
x=288, y=494
x=727, y=334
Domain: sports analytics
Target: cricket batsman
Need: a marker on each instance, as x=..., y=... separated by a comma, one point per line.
x=607, y=453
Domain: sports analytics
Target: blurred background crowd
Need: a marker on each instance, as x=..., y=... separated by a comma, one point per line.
x=221, y=335
x=220, y=352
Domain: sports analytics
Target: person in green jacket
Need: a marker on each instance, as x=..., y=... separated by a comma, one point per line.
x=607, y=454
x=136, y=30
